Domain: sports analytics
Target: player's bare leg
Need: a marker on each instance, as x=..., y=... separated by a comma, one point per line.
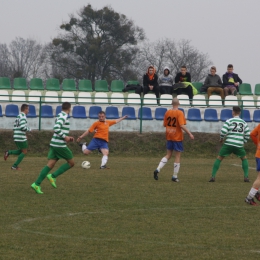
x=104, y=159
x=162, y=163
x=216, y=167
x=245, y=168
x=254, y=192
x=176, y=168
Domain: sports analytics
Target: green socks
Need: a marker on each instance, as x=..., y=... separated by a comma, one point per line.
x=19, y=159
x=42, y=175
x=15, y=152
x=215, y=167
x=245, y=167
x=61, y=170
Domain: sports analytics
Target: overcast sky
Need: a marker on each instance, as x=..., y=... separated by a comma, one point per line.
x=228, y=30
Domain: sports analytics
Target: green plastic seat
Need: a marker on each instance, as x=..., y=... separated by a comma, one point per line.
x=245, y=89
x=53, y=84
x=5, y=83
x=20, y=84
x=132, y=82
x=197, y=85
x=36, y=84
x=69, y=85
x=117, y=86
x=85, y=85
x=257, y=89
x=101, y=86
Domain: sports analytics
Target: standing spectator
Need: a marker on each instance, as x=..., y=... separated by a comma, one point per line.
x=231, y=81
x=213, y=83
x=165, y=82
x=150, y=82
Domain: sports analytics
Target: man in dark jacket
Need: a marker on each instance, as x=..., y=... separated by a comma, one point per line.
x=231, y=81
x=150, y=82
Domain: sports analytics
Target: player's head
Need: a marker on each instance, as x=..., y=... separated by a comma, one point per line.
x=175, y=102
x=66, y=107
x=25, y=108
x=236, y=111
x=102, y=116
x=183, y=70
x=213, y=70
x=230, y=68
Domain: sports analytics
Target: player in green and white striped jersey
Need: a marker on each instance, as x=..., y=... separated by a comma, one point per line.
x=58, y=150
x=20, y=128
x=236, y=133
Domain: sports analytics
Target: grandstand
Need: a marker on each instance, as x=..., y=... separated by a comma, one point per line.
x=202, y=114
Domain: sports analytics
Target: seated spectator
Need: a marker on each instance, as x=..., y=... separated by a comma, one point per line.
x=165, y=82
x=231, y=81
x=150, y=82
x=183, y=77
x=213, y=83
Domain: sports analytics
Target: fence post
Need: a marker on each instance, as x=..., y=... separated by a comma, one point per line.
x=40, y=114
x=141, y=116
x=242, y=109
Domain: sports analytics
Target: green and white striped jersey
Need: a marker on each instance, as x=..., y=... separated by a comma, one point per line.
x=61, y=129
x=236, y=132
x=20, y=128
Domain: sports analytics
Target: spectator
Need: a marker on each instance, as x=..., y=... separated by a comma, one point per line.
x=150, y=82
x=165, y=82
x=231, y=81
x=213, y=83
x=185, y=78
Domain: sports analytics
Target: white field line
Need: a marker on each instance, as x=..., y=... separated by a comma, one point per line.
x=239, y=165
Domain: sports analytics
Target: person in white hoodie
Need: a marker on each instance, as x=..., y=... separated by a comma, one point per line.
x=165, y=82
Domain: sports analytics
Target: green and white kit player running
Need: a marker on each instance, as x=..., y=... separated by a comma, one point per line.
x=235, y=131
x=20, y=128
x=58, y=150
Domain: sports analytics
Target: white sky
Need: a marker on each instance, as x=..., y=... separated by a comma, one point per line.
x=228, y=30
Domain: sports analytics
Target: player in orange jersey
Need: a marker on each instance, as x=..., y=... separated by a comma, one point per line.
x=100, y=139
x=254, y=192
x=175, y=122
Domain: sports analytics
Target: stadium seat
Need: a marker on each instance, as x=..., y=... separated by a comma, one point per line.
x=34, y=96
x=256, y=116
x=248, y=101
x=68, y=85
x=150, y=99
x=117, y=98
x=160, y=112
x=20, y=84
x=199, y=101
x=84, y=97
x=117, y=86
x=130, y=112
x=257, y=89
x=184, y=100
x=101, y=97
x=1, y=113
x=68, y=96
x=5, y=83
x=32, y=112
x=197, y=85
x=46, y=111
x=181, y=109
x=230, y=101
x=101, y=86
x=18, y=95
x=4, y=96
x=11, y=110
x=246, y=115
x=36, y=84
x=85, y=85
x=245, y=89
x=51, y=97
x=146, y=113
x=215, y=100
x=194, y=114
x=225, y=114
x=132, y=82
x=112, y=113
x=93, y=111
x=211, y=115
x=53, y=84
x=79, y=112
x=133, y=99
x=167, y=99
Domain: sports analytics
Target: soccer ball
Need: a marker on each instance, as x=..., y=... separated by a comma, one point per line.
x=85, y=165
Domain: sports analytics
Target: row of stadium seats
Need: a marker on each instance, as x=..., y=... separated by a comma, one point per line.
x=112, y=112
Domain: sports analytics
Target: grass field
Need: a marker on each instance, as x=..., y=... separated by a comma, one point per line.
x=123, y=213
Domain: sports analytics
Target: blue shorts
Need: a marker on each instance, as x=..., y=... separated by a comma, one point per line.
x=257, y=164
x=97, y=143
x=175, y=145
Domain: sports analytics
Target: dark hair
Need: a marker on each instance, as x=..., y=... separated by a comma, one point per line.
x=183, y=67
x=66, y=106
x=237, y=109
x=102, y=113
x=230, y=66
x=24, y=106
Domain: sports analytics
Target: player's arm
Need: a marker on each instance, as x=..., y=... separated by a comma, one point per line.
x=254, y=135
x=224, y=131
x=185, y=129
x=24, y=126
x=57, y=130
x=90, y=130
x=121, y=118
x=246, y=134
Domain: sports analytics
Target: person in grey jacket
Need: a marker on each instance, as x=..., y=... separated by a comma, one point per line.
x=165, y=82
x=213, y=83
